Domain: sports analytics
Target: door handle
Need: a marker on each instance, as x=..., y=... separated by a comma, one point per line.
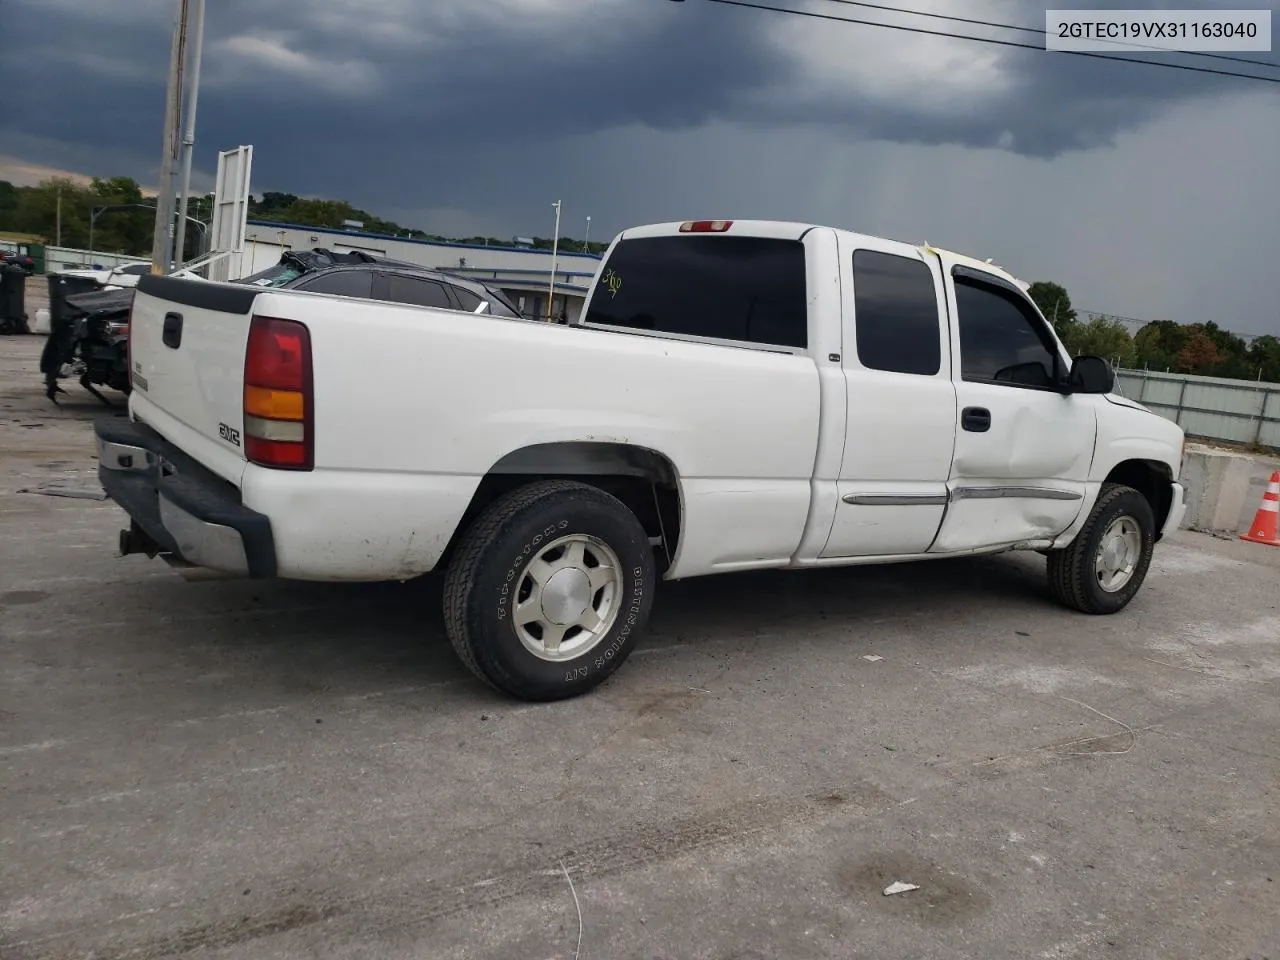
x=171, y=332
x=975, y=419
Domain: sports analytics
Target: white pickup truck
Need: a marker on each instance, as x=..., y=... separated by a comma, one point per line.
x=737, y=396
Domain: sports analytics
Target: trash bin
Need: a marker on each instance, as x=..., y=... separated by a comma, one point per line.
x=61, y=287
x=13, y=298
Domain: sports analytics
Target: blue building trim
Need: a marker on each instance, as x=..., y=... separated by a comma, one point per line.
x=426, y=243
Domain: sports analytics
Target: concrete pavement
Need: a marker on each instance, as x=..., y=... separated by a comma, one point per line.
x=247, y=770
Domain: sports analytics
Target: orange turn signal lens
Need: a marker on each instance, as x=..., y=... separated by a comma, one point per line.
x=274, y=404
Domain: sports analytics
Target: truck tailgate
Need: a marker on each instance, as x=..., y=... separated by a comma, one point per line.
x=187, y=351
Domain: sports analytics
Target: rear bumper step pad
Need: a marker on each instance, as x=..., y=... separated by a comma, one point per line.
x=185, y=508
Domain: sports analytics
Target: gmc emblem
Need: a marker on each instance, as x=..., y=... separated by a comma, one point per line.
x=229, y=434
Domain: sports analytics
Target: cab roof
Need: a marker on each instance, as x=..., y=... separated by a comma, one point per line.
x=795, y=230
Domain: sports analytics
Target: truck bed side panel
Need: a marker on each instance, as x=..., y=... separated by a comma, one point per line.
x=413, y=406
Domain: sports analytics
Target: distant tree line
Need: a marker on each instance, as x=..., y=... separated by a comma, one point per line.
x=308, y=212
x=1204, y=349
x=125, y=227
x=128, y=229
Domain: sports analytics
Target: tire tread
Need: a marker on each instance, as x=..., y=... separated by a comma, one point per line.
x=459, y=583
x=1067, y=567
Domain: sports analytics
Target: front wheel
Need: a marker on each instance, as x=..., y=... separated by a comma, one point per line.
x=1103, y=568
x=549, y=590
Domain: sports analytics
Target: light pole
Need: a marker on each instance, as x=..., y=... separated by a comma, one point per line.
x=162, y=243
x=189, y=135
x=555, y=249
x=586, y=240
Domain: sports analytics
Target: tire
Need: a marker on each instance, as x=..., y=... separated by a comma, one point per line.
x=1074, y=579
x=489, y=582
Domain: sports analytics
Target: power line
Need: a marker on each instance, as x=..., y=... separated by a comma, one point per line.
x=1041, y=32
x=813, y=14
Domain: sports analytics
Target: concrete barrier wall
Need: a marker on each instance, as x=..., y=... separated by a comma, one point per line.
x=1224, y=488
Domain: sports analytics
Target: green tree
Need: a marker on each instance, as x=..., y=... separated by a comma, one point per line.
x=1233, y=353
x=128, y=228
x=1055, y=303
x=1158, y=344
x=1263, y=359
x=1102, y=337
x=8, y=199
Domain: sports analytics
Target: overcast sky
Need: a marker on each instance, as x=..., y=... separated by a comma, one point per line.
x=1149, y=193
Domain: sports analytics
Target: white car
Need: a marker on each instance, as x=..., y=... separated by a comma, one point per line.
x=738, y=396
x=125, y=276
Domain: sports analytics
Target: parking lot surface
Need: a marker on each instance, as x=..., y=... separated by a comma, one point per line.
x=279, y=770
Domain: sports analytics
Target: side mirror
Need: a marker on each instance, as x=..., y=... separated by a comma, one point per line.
x=1091, y=375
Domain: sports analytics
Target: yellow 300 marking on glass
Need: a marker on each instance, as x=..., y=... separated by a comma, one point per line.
x=612, y=282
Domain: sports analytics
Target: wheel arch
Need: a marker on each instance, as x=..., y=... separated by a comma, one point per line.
x=1151, y=478
x=644, y=479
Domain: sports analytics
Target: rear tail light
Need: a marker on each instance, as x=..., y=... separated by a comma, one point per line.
x=705, y=226
x=278, y=408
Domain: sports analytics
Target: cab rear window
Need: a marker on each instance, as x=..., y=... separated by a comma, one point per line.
x=745, y=289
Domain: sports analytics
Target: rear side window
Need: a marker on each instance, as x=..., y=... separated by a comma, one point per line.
x=749, y=289
x=345, y=283
x=469, y=302
x=420, y=293
x=896, y=314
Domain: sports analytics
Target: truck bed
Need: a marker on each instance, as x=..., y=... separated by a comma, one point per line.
x=414, y=405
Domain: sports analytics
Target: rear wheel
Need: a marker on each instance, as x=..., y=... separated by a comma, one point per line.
x=549, y=590
x=1106, y=564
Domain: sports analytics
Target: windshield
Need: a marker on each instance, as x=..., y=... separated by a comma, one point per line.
x=276, y=275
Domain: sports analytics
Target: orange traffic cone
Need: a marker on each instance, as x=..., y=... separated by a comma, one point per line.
x=1266, y=522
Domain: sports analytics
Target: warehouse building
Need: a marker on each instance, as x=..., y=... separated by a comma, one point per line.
x=522, y=273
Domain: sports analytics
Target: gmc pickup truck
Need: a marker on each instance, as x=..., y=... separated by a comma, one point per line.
x=737, y=396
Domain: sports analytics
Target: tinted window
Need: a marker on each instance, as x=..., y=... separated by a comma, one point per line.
x=1000, y=340
x=732, y=288
x=467, y=300
x=420, y=293
x=346, y=283
x=896, y=313
x=135, y=269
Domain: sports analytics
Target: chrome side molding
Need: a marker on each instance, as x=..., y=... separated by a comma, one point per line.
x=1023, y=493
x=960, y=493
x=897, y=500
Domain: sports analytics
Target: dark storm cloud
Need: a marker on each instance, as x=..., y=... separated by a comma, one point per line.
x=343, y=86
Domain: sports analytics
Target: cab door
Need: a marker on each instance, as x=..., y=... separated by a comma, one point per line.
x=1023, y=448
x=900, y=419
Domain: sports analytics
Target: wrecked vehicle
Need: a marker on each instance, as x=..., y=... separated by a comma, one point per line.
x=89, y=320
x=88, y=336
x=358, y=274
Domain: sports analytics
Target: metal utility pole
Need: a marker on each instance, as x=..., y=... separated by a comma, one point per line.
x=162, y=243
x=555, y=249
x=189, y=134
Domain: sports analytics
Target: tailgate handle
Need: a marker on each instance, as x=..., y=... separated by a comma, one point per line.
x=172, y=335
